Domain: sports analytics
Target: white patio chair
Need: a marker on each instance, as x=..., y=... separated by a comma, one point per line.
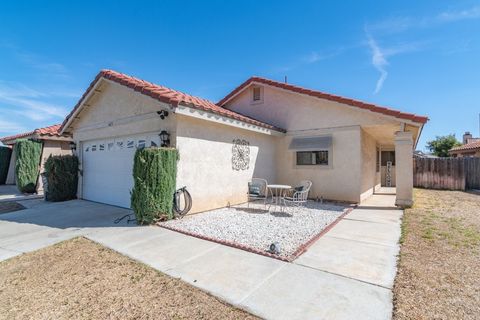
x=257, y=190
x=299, y=195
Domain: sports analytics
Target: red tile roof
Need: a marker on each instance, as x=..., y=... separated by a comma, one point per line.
x=169, y=96
x=322, y=95
x=469, y=146
x=47, y=131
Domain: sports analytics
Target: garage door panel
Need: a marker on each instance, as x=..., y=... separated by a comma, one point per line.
x=108, y=166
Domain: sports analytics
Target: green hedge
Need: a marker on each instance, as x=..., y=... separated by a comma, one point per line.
x=27, y=164
x=61, y=173
x=154, y=175
x=5, y=155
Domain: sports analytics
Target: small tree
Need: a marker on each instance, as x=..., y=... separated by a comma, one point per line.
x=154, y=176
x=27, y=164
x=442, y=144
x=62, y=178
x=5, y=154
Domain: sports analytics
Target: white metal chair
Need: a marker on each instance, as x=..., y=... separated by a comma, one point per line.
x=257, y=190
x=299, y=195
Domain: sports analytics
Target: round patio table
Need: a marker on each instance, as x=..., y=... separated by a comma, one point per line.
x=278, y=191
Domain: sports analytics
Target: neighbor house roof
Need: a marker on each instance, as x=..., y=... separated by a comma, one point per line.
x=467, y=147
x=52, y=131
x=166, y=95
x=322, y=95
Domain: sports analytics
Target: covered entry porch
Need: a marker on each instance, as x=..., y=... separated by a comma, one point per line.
x=394, y=160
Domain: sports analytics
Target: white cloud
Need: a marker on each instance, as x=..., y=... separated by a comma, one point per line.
x=7, y=127
x=397, y=24
x=379, y=62
x=23, y=100
x=391, y=25
x=449, y=16
x=381, y=54
x=35, y=61
x=316, y=56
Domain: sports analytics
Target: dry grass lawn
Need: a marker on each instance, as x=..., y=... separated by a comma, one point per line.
x=439, y=268
x=79, y=279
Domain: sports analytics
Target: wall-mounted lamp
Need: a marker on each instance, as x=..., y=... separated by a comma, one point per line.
x=163, y=114
x=164, y=138
x=73, y=146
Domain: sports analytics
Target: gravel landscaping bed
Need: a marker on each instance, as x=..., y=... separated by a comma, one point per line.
x=256, y=228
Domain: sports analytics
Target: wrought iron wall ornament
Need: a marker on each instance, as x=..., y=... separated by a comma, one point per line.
x=240, y=154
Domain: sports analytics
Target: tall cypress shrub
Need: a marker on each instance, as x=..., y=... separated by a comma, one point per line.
x=27, y=164
x=154, y=175
x=5, y=155
x=62, y=178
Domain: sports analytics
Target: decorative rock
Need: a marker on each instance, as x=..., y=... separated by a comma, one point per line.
x=258, y=228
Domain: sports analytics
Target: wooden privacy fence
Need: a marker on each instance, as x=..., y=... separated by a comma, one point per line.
x=446, y=173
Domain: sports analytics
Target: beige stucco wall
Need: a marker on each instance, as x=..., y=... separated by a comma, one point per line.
x=119, y=111
x=205, y=165
x=340, y=180
x=369, y=176
x=293, y=111
x=352, y=174
x=54, y=148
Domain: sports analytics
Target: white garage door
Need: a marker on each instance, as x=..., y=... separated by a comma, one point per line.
x=108, y=165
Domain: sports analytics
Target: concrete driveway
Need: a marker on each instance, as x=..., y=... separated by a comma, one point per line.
x=43, y=224
x=347, y=274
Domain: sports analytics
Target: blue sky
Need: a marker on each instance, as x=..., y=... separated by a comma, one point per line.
x=416, y=56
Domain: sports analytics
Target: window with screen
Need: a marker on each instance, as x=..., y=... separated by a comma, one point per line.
x=309, y=158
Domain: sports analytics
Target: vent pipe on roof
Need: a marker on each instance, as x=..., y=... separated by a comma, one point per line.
x=285, y=79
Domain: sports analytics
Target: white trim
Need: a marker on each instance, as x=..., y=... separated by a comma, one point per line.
x=80, y=107
x=209, y=116
x=420, y=129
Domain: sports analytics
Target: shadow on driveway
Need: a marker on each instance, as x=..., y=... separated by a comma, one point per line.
x=69, y=214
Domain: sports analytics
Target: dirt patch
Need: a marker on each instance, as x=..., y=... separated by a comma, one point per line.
x=79, y=279
x=9, y=206
x=438, y=273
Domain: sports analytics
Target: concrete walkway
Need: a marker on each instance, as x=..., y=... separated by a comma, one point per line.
x=347, y=274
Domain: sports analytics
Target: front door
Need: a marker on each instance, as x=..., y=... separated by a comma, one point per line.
x=388, y=168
